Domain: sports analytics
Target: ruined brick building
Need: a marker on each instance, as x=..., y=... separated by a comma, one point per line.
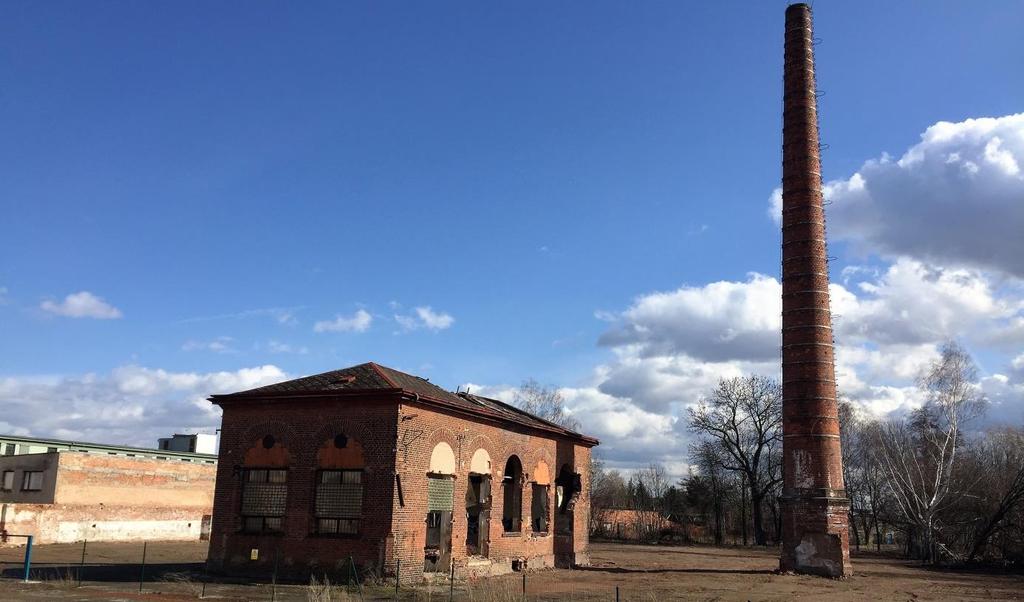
x=387, y=469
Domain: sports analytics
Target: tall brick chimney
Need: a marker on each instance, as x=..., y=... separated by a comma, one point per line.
x=815, y=511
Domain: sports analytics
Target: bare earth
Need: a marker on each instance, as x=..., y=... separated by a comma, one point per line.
x=648, y=573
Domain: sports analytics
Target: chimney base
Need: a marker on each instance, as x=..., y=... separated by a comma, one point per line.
x=816, y=535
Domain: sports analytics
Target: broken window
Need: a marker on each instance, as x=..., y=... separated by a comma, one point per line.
x=8, y=482
x=9, y=449
x=264, y=493
x=32, y=480
x=339, y=502
x=512, y=496
x=539, y=508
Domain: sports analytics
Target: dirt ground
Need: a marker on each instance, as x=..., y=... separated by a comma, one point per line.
x=642, y=573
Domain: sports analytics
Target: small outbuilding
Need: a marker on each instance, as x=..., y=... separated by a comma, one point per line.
x=374, y=467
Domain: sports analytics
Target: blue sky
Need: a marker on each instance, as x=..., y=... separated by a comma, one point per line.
x=219, y=178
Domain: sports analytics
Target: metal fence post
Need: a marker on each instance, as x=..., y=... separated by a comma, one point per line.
x=524, y=586
x=81, y=565
x=451, y=581
x=616, y=593
x=273, y=579
x=142, y=571
x=398, y=576
x=28, y=556
x=355, y=574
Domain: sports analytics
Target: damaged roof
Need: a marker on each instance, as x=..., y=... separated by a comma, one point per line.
x=373, y=378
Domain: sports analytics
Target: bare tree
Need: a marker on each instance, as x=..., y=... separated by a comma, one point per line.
x=653, y=482
x=863, y=473
x=544, y=402
x=1000, y=457
x=919, y=453
x=743, y=416
x=708, y=491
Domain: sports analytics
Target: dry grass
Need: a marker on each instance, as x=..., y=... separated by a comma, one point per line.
x=502, y=590
x=185, y=580
x=64, y=579
x=324, y=591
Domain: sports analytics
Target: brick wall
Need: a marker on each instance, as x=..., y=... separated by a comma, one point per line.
x=114, y=498
x=422, y=428
x=85, y=478
x=300, y=429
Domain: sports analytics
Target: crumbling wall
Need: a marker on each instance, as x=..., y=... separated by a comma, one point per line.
x=67, y=523
x=117, y=498
x=422, y=428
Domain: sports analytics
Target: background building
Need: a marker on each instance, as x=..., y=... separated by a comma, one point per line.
x=11, y=445
x=62, y=491
x=379, y=466
x=198, y=443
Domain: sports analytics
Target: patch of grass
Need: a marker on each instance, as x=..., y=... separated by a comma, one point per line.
x=63, y=579
x=186, y=580
x=324, y=591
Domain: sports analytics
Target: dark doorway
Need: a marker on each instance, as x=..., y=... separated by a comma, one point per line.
x=512, y=496
x=568, y=486
x=478, y=514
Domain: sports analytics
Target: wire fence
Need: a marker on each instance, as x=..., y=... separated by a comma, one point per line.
x=106, y=570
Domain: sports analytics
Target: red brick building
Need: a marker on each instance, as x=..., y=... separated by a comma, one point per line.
x=385, y=468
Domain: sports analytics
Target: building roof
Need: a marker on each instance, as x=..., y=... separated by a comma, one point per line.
x=373, y=378
x=65, y=445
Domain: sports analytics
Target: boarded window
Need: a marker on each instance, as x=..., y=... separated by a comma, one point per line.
x=264, y=494
x=440, y=494
x=539, y=509
x=8, y=482
x=32, y=480
x=339, y=501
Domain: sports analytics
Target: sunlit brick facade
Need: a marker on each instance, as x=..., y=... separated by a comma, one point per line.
x=373, y=467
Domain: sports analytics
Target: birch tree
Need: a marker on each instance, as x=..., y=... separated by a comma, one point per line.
x=919, y=453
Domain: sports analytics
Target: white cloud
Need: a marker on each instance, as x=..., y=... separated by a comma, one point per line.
x=279, y=347
x=281, y=315
x=132, y=405
x=716, y=322
x=217, y=345
x=670, y=348
x=81, y=305
x=434, y=320
x=955, y=198
x=357, y=322
x=914, y=303
x=425, y=317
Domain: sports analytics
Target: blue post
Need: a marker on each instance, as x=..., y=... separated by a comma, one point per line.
x=28, y=557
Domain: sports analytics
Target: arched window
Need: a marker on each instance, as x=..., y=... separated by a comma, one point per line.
x=539, y=513
x=339, y=486
x=442, y=460
x=264, y=486
x=512, y=490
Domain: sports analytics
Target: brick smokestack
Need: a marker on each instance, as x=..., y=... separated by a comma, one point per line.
x=815, y=511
